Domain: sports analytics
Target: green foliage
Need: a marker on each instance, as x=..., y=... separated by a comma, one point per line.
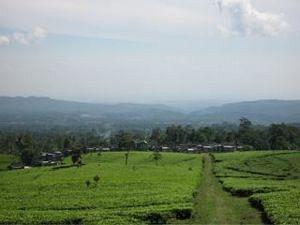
x=124, y=140
x=96, y=179
x=284, y=137
x=270, y=178
x=25, y=149
x=87, y=183
x=27, y=156
x=126, y=196
x=43, y=139
x=126, y=157
x=281, y=207
x=157, y=156
x=76, y=156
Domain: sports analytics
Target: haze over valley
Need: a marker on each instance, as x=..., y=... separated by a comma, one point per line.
x=40, y=110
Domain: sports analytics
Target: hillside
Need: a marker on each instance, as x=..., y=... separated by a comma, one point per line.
x=37, y=109
x=262, y=112
x=42, y=110
x=132, y=194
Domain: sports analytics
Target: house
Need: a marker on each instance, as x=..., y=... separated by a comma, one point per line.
x=67, y=152
x=49, y=158
x=165, y=148
x=191, y=150
x=240, y=148
x=141, y=145
x=89, y=149
x=199, y=147
x=207, y=148
x=59, y=154
x=229, y=147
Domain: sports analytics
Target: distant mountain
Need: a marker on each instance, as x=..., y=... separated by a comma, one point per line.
x=47, y=111
x=45, y=104
x=26, y=109
x=193, y=105
x=261, y=111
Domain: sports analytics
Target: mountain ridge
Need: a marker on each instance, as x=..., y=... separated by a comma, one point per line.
x=260, y=111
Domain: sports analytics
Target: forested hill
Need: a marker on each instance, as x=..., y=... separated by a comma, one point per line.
x=45, y=104
x=37, y=108
x=262, y=111
x=46, y=110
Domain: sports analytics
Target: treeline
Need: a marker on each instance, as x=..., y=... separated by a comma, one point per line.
x=275, y=136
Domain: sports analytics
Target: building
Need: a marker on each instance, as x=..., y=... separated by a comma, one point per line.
x=141, y=145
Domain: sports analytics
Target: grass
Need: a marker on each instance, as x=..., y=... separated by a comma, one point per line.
x=141, y=192
x=5, y=161
x=271, y=180
x=215, y=206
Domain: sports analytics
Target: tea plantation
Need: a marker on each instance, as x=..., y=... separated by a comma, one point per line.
x=270, y=179
x=140, y=192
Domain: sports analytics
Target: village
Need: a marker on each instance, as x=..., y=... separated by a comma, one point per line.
x=56, y=157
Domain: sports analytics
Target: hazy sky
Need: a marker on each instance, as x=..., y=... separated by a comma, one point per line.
x=150, y=50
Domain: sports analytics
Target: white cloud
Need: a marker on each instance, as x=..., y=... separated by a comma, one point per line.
x=4, y=40
x=23, y=38
x=130, y=19
x=139, y=20
x=20, y=38
x=245, y=20
x=38, y=32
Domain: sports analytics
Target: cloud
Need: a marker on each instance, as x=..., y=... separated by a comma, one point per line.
x=144, y=20
x=245, y=20
x=23, y=38
x=38, y=32
x=4, y=40
x=118, y=19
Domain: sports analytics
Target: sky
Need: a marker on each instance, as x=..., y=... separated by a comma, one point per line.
x=150, y=51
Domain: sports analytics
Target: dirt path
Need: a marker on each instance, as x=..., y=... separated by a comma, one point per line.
x=215, y=206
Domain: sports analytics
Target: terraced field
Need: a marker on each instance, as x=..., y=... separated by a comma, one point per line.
x=270, y=179
x=140, y=192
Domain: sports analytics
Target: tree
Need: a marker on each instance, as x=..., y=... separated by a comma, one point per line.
x=25, y=148
x=220, y=137
x=200, y=136
x=157, y=156
x=124, y=140
x=67, y=143
x=76, y=156
x=246, y=135
x=156, y=137
x=28, y=156
x=171, y=134
x=283, y=137
x=96, y=179
x=190, y=134
x=209, y=133
x=87, y=183
x=245, y=124
x=126, y=157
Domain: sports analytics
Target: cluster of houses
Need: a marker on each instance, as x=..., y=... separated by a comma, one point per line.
x=56, y=158
x=145, y=146
x=192, y=148
x=202, y=148
x=49, y=158
x=44, y=159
